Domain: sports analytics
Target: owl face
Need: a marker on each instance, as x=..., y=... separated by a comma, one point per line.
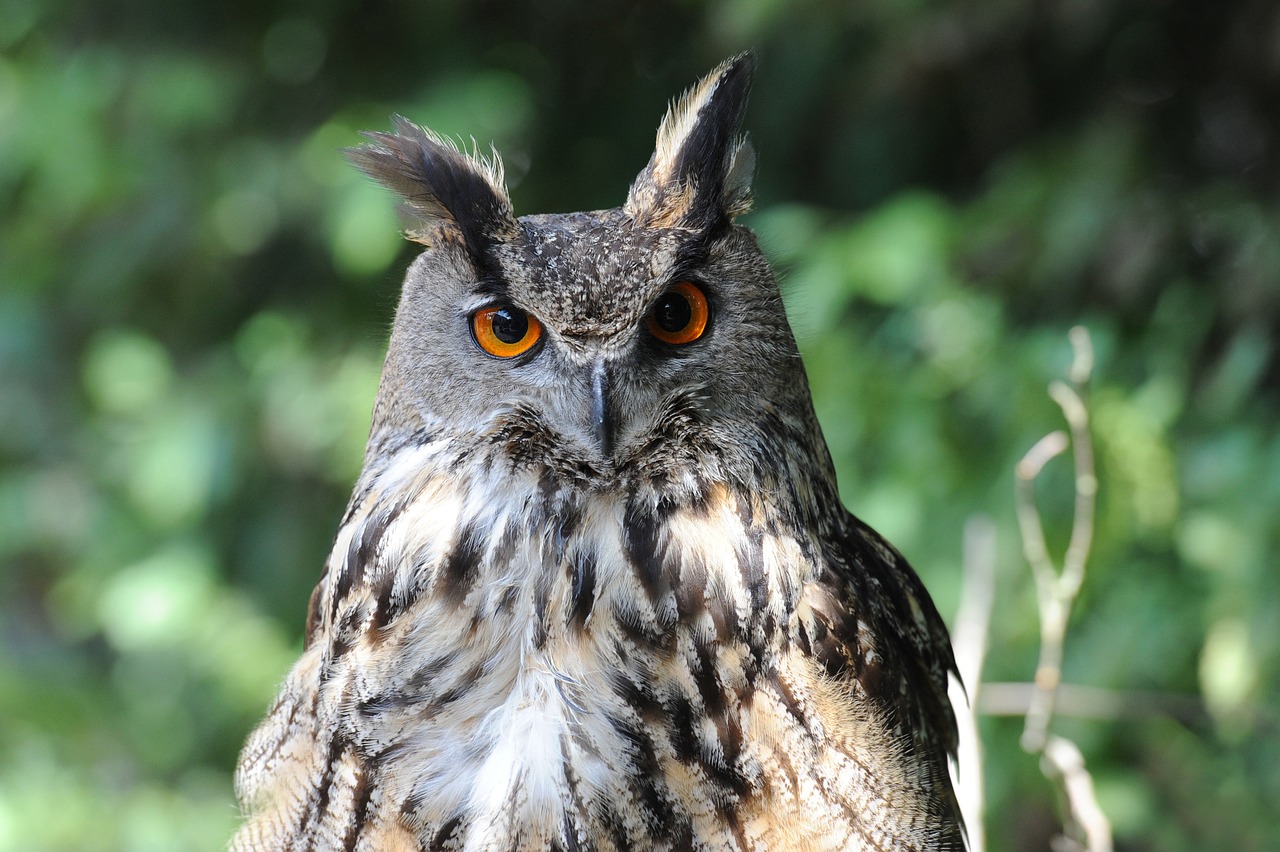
x=618, y=342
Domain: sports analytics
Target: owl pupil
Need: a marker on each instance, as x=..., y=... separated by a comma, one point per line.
x=510, y=325
x=673, y=313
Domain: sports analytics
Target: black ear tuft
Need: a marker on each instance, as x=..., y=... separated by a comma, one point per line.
x=447, y=193
x=700, y=173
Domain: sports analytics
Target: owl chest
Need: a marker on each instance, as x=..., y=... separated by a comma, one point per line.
x=489, y=691
x=536, y=673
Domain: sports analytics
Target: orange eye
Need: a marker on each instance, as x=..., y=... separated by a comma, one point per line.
x=505, y=331
x=680, y=315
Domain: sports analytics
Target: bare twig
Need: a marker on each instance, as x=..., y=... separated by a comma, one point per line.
x=969, y=639
x=1056, y=591
x=1086, y=826
x=1091, y=702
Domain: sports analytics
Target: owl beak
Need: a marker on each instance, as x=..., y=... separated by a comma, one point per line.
x=602, y=421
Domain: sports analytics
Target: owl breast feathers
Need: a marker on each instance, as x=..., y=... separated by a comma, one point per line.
x=595, y=588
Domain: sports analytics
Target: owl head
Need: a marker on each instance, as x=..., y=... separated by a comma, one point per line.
x=646, y=340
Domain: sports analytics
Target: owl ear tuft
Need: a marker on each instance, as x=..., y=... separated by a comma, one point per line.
x=700, y=173
x=448, y=194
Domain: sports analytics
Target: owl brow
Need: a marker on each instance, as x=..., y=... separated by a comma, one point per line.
x=492, y=288
x=695, y=251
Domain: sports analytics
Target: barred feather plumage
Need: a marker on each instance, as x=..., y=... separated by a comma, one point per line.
x=605, y=597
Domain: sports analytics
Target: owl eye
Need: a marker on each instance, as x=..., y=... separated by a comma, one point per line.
x=505, y=331
x=680, y=315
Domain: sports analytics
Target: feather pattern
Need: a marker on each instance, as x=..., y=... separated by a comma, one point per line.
x=711, y=674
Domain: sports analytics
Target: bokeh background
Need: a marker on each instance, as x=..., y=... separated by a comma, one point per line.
x=195, y=292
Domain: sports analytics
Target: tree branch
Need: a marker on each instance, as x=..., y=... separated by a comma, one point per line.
x=969, y=640
x=1086, y=826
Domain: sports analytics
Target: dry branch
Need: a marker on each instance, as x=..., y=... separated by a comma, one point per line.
x=969, y=639
x=1086, y=826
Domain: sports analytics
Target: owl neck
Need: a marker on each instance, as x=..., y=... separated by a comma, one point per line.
x=480, y=532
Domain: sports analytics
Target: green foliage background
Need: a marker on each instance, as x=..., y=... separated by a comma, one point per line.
x=195, y=292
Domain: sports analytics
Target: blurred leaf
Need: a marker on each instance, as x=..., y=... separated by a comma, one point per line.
x=1228, y=671
x=156, y=601
x=126, y=372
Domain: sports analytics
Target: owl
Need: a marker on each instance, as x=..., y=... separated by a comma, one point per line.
x=595, y=588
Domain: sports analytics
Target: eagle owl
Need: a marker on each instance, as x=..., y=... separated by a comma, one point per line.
x=595, y=588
